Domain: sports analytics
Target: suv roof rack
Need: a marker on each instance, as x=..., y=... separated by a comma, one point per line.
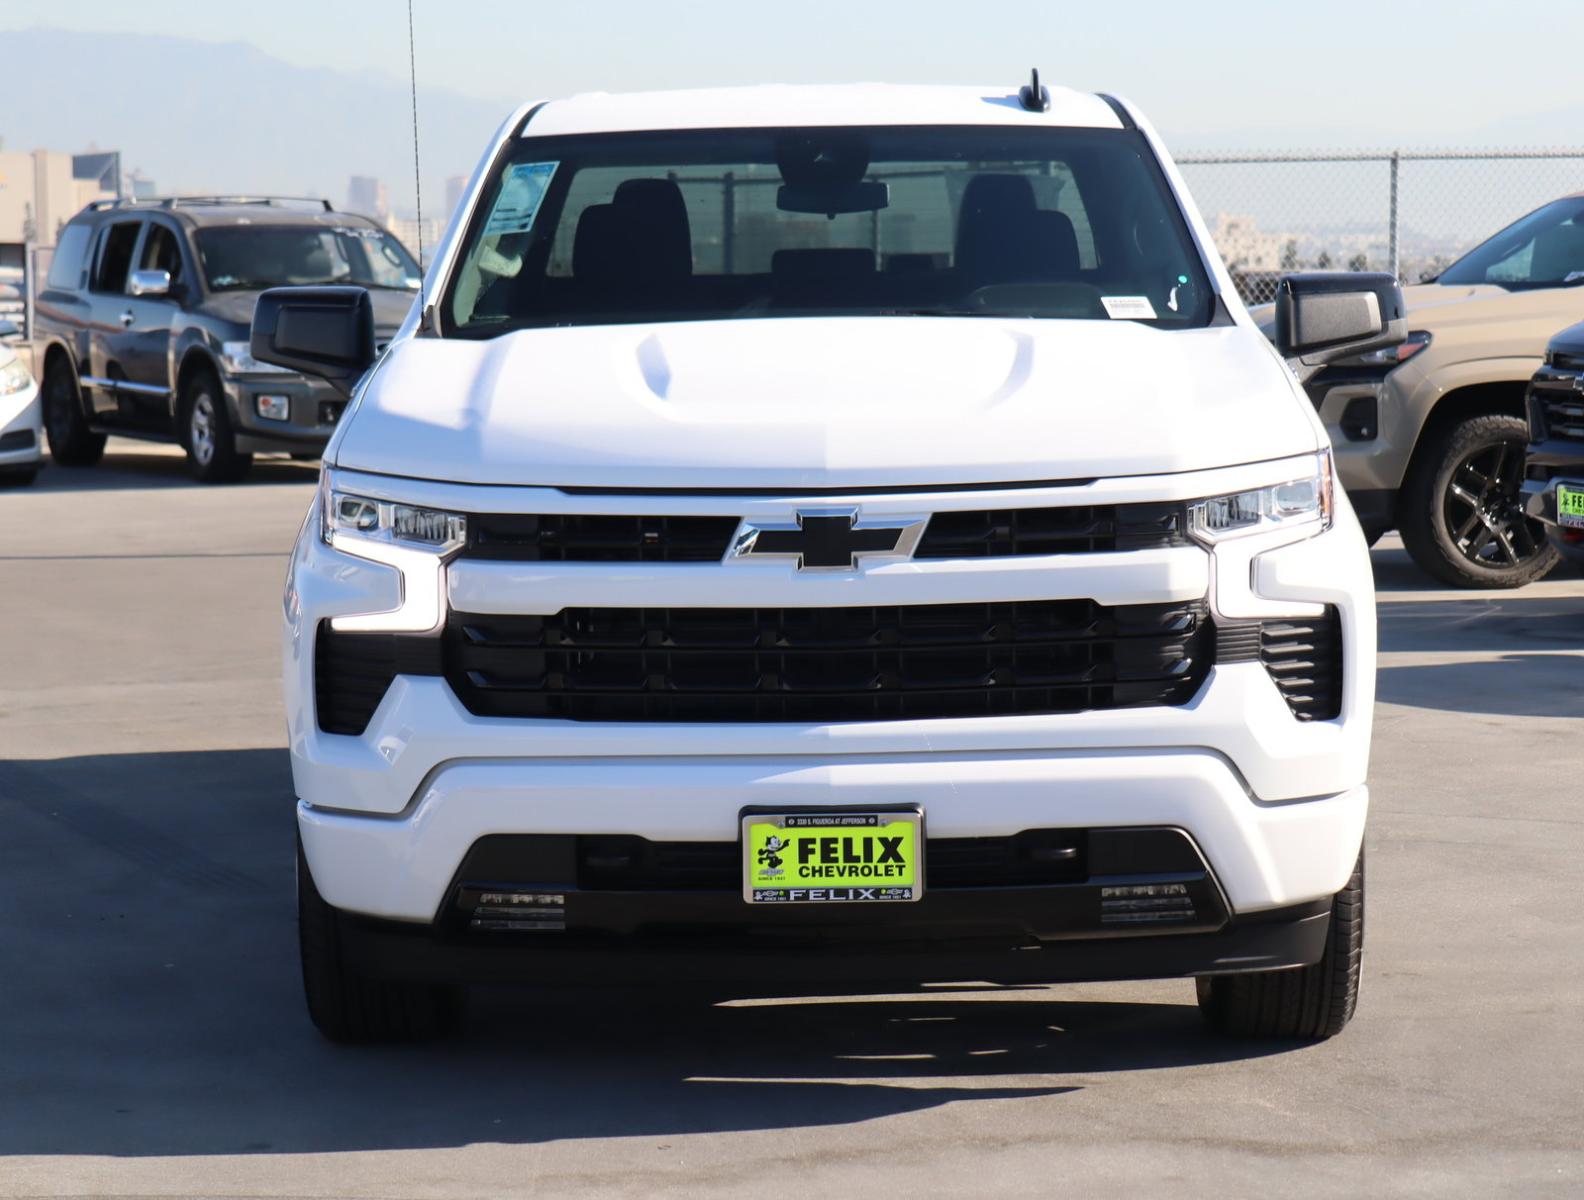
x=185, y=201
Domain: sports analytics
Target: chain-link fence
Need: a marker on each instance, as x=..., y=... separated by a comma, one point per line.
x=1410, y=212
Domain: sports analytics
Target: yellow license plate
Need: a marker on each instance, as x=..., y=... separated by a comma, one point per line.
x=1570, y=507
x=833, y=857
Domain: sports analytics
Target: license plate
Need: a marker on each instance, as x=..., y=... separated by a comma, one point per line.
x=833, y=857
x=1570, y=507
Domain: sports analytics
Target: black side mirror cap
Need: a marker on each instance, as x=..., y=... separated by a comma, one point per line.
x=1322, y=316
x=323, y=331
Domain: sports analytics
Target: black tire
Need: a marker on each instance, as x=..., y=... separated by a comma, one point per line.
x=348, y=1007
x=207, y=433
x=1311, y=1003
x=1461, y=511
x=71, y=442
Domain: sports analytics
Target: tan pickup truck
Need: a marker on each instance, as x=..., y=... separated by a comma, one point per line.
x=1430, y=435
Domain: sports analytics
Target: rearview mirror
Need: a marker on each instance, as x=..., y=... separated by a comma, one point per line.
x=865, y=195
x=323, y=331
x=1322, y=316
x=149, y=283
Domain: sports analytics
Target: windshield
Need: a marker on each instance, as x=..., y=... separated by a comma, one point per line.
x=241, y=257
x=710, y=224
x=1544, y=249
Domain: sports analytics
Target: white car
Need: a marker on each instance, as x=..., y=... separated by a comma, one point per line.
x=21, y=419
x=829, y=537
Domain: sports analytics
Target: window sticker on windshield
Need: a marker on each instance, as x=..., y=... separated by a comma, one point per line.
x=1122, y=308
x=520, y=198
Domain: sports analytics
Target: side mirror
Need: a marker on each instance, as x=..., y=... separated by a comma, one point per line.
x=1322, y=316
x=149, y=283
x=323, y=331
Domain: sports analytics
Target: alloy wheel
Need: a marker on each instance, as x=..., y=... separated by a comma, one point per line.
x=200, y=429
x=1484, y=509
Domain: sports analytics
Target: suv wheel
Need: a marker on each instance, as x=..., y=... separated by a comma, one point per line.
x=1461, y=513
x=207, y=434
x=349, y=1007
x=1306, y=1002
x=71, y=442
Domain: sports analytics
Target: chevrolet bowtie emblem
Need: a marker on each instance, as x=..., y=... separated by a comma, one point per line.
x=828, y=539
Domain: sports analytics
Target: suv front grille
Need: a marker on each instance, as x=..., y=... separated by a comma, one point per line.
x=1556, y=405
x=983, y=533
x=1303, y=658
x=828, y=664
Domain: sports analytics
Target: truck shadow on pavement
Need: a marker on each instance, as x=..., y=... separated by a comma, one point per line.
x=153, y=1007
x=137, y=469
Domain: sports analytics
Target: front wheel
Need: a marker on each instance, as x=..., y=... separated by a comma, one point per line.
x=207, y=433
x=1303, y=1002
x=347, y=1006
x=72, y=443
x=1461, y=510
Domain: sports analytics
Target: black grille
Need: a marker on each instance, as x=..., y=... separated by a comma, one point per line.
x=993, y=533
x=829, y=664
x=1303, y=657
x=1556, y=405
x=353, y=671
x=1002, y=533
x=527, y=537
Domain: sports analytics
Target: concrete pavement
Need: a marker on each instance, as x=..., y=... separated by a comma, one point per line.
x=153, y=1041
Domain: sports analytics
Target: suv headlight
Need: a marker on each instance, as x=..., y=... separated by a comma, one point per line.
x=1299, y=503
x=237, y=358
x=345, y=515
x=14, y=377
x=1395, y=356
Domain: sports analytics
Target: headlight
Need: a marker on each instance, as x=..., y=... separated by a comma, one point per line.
x=345, y=515
x=14, y=377
x=1395, y=356
x=1300, y=502
x=237, y=358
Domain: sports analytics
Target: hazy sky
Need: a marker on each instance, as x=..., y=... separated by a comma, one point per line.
x=1365, y=72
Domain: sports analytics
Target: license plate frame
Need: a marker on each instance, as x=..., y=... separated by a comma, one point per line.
x=1570, y=506
x=853, y=867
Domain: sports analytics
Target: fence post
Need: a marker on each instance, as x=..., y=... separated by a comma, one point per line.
x=1392, y=230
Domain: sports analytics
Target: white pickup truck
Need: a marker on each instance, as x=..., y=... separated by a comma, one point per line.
x=829, y=537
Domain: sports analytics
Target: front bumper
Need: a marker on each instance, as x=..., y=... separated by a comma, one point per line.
x=1540, y=502
x=314, y=410
x=1277, y=806
x=21, y=430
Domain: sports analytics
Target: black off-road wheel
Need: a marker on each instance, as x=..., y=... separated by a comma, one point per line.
x=207, y=433
x=347, y=1006
x=71, y=442
x=1310, y=1003
x=1461, y=511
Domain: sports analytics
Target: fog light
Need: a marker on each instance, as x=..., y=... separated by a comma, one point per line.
x=274, y=408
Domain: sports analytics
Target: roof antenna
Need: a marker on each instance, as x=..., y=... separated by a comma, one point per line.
x=412, y=75
x=1031, y=95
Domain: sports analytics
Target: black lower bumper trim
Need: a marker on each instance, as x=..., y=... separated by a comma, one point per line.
x=1271, y=941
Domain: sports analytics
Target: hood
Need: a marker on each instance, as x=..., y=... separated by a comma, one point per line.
x=825, y=403
x=1436, y=306
x=390, y=309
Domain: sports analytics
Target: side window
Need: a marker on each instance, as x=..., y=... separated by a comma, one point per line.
x=115, y=259
x=66, y=267
x=162, y=252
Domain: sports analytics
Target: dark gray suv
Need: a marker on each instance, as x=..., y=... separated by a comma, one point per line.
x=142, y=325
